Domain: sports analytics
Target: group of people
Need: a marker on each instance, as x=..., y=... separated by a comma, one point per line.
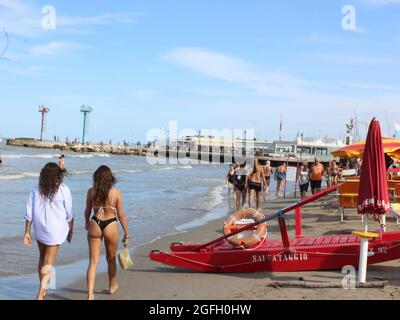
x=310, y=176
x=49, y=210
x=253, y=182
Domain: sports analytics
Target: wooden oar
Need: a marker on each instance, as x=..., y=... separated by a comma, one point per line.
x=270, y=217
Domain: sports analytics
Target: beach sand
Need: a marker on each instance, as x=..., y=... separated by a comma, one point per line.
x=149, y=280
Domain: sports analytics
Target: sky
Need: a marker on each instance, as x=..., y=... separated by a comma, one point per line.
x=209, y=64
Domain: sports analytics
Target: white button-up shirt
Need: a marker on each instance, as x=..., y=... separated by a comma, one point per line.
x=50, y=218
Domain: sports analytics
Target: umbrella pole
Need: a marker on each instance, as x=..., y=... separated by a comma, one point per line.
x=362, y=266
x=383, y=222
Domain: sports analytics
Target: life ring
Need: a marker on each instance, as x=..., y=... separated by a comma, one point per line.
x=259, y=234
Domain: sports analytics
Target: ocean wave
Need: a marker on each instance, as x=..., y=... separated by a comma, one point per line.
x=92, y=155
x=186, y=167
x=19, y=176
x=31, y=174
x=21, y=156
x=128, y=171
x=216, y=197
x=12, y=177
x=164, y=168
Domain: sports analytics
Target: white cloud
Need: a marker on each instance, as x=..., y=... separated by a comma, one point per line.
x=352, y=59
x=236, y=70
x=54, y=48
x=143, y=95
x=21, y=19
x=379, y=2
x=34, y=70
x=104, y=19
x=371, y=86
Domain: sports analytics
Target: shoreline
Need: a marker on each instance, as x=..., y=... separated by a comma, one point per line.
x=149, y=280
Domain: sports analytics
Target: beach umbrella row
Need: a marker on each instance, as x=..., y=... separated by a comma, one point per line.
x=391, y=147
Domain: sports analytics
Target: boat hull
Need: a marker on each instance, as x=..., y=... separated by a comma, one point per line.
x=307, y=254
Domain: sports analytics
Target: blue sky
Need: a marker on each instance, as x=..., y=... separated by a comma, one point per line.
x=209, y=64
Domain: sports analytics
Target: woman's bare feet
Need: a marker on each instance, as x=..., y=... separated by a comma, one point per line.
x=114, y=288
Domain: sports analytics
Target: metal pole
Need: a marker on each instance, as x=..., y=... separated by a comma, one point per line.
x=362, y=266
x=42, y=127
x=84, y=127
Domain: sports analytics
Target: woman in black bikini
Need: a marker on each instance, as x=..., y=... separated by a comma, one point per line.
x=106, y=203
x=257, y=178
x=230, y=179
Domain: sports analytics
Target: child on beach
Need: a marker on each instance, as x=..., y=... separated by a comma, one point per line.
x=106, y=203
x=49, y=210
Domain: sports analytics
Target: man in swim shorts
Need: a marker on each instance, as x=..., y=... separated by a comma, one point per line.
x=316, y=175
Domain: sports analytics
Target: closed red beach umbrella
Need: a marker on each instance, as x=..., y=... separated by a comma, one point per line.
x=373, y=193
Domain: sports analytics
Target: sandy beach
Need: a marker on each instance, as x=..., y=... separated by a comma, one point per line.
x=149, y=280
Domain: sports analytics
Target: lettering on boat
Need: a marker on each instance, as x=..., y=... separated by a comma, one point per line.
x=280, y=257
x=382, y=250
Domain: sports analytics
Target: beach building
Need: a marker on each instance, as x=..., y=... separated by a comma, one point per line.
x=302, y=148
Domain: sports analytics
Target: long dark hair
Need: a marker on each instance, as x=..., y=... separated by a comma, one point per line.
x=51, y=177
x=103, y=181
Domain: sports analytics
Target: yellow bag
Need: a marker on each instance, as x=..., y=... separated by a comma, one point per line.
x=125, y=259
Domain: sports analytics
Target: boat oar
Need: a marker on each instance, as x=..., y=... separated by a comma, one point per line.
x=278, y=214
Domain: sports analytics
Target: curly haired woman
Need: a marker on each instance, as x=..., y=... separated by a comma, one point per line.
x=49, y=210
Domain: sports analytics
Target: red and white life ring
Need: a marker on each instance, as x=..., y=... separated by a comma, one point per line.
x=239, y=240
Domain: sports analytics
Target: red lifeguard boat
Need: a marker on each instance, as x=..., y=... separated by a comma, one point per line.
x=329, y=252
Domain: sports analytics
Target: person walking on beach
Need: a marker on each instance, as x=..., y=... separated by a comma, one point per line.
x=230, y=179
x=61, y=162
x=328, y=175
x=241, y=180
x=267, y=174
x=49, y=211
x=280, y=177
x=256, y=181
x=304, y=179
x=316, y=175
x=334, y=172
x=106, y=203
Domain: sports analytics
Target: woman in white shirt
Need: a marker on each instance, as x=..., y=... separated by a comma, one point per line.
x=49, y=211
x=304, y=179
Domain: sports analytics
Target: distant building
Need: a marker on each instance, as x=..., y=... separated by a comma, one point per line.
x=301, y=148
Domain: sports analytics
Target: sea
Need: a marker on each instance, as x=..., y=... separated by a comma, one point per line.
x=158, y=200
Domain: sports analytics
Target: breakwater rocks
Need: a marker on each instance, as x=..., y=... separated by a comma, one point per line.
x=79, y=148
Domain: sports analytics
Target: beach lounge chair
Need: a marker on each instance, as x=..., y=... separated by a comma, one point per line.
x=348, y=196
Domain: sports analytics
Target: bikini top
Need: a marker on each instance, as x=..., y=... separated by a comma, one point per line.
x=100, y=213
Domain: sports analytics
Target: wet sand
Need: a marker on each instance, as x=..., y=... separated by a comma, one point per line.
x=152, y=281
